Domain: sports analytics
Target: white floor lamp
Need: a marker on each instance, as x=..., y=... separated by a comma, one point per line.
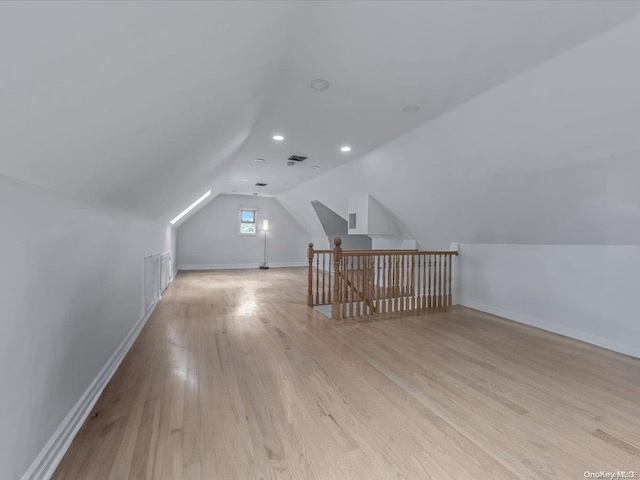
x=265, y=227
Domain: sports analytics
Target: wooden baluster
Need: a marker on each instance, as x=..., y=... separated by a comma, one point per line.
x=337, y=259
x=350, y=270
x=346, y=286
x=324, y=273
x=382, y=286
x=365, y=294
x=434, y=295
x=365, y=287
x=366, y=305
x=412, y=281
x=310, y=254
x=419, y=284
x=440, y=281
x=354, y=281
x=423, y=266
x=416, y=302
x=446, y=280
x=329, y=290
x=376, y=283
x=387, y=290
x=345, y=290
x=413, y=297
x=397, y=282
x=387, y=286
x=358, y=284
x=429, y=304
x=450, y=281
x=392, y=291
x=421, y=279
x=403, y=283
x=317, y=279
x=436, y=277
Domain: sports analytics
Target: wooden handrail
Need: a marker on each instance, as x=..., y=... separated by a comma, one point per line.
x=399, y=252
x=367, y=282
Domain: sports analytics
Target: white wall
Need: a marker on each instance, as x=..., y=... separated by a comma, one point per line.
x=549, y=157
x=211, y=238
x=589, y=292
x=71, y=288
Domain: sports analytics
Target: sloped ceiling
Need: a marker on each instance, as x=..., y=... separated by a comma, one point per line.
x=549, y=157
x=144, y=106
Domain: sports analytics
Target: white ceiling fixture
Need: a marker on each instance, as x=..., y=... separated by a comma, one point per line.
x=315, y=167
x=278, y=138
x=190, y=207
x=259, y=160
x=345, y=149
x=411, y=109
x=319, y=84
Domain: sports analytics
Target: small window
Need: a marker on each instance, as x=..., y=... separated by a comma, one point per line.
x=248, y=222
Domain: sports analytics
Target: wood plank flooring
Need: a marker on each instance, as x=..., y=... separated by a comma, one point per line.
x=234, y=377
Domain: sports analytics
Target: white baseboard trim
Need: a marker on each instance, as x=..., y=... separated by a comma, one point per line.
x=50, y=456
x=235, y=266
x=555, y=328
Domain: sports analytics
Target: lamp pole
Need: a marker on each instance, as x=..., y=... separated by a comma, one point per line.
x=265, y=227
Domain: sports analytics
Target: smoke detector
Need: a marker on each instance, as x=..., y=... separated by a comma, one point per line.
x=319, y=84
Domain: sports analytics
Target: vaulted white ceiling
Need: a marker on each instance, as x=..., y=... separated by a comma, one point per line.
x=145, y=106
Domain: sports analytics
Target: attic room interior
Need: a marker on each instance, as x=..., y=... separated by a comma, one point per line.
x=329, y=240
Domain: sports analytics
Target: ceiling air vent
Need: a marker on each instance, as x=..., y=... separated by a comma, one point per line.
x=297, y=158
x=261, y=184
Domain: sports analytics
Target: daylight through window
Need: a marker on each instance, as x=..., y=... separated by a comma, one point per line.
x=248, y=222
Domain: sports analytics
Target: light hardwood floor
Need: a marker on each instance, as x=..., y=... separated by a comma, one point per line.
x=234, y=377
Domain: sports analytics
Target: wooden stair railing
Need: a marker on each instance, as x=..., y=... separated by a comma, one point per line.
x=367, y=282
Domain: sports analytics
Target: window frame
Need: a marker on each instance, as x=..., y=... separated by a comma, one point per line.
x=255, y=221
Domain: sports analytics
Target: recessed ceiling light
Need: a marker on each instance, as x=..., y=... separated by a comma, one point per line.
x=315, y=167
x=411, y=109
x=319, y=84
x=259, y=160
x=345, y=149
x=278, y=137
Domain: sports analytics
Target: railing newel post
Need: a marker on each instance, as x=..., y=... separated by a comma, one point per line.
x=310, y=255
x=337, y=260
